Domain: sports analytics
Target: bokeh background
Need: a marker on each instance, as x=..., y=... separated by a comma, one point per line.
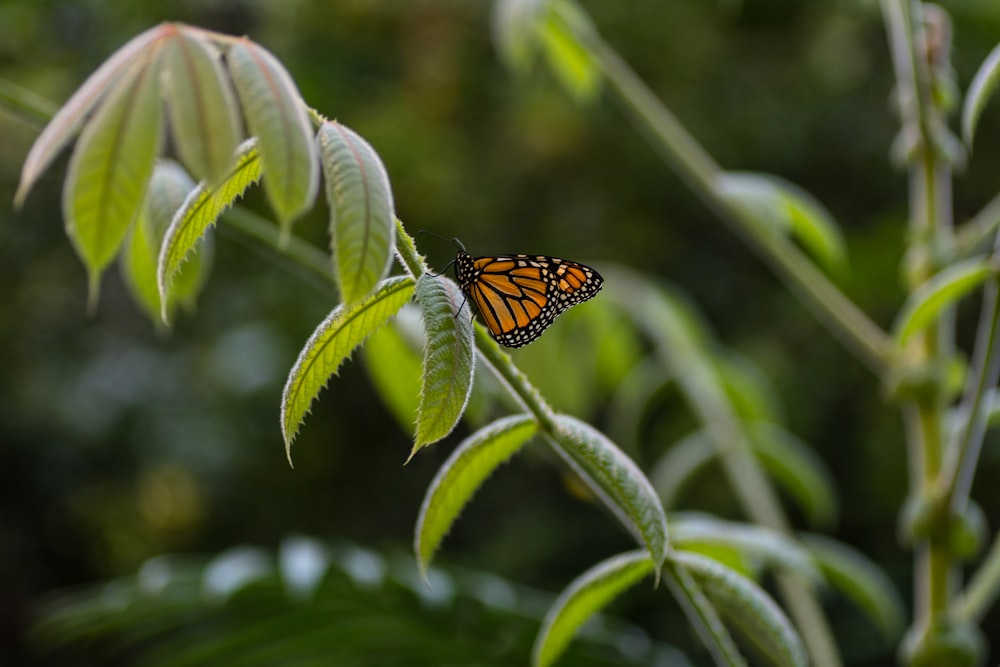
x=119, y=442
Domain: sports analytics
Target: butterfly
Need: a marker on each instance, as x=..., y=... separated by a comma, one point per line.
x=518, y=296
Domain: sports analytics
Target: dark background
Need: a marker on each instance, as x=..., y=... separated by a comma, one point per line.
x=118, y=442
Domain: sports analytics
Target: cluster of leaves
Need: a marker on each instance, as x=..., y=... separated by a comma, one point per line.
x=212, y=84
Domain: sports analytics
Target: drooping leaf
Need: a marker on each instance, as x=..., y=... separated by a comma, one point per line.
x=448, y=360
x=393, y=364
x=200, y=211
x=690, y=531
x=276, y=115
x=202, y=106
x=983, y=85
x=616, y=480
x=71, y=117
x=461, y=476
x=584, y=597
x=331, y=343
x=362, y=219
x=751, y=392
x=748, y=609
x=941, y=291
x=861, y=580
x=787, y=208
x=111, y=166
x=168, y=189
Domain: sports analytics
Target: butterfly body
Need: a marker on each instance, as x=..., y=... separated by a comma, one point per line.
x=518, y=296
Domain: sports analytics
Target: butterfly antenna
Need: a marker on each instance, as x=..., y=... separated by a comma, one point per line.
x=446, y=267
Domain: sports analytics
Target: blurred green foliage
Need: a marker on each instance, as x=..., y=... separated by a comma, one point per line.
x=118, y=443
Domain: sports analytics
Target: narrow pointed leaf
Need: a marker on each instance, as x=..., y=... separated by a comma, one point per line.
x=362, y=219
x=202, y=106
x=462, y=475
x=588, y=594
x=331, y=343
x=941, y=291
x=200, y=211
x=71, y=117
x=616, y=480
x=111, y=167
x=748, y=609
x=276, y=115
x=168, y=188
x=861, y=580
x=448, y=360
x=702, y=615
x=688, y=531
x=751, y=392
x=983, y=85
x=393, y=364
x=787, y=208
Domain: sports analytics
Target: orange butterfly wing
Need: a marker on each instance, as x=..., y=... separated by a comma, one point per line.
x=518, y=296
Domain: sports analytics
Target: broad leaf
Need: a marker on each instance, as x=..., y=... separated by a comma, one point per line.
x=587, y=595
x=690, y=531
x=362, y=220
x=393, y=363
x=168, y=188
x=616, y=480
x=861, y=580
x=983, y=85
x=448, y=360
x=203, y=111
x=200, y=211
x=276, y=115
x=747, y=608
x=331, y=343
x=462, y=475
x=71, y=117
x=944, y=289
x=111, y=167
x=787, y=208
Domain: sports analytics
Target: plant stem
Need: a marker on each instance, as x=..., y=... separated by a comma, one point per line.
x=984, y=588
x=852, y=326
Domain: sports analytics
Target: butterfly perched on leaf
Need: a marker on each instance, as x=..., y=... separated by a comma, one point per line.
x=518, y=296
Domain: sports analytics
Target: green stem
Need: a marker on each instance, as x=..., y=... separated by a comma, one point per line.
x=302, y=254
x=983, y=588
x=852, y=326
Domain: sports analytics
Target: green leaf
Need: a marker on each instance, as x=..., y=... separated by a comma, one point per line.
x=787, y=208
x=448, y=360
x=202, y=106
x=71, y=117
x=751, y=392
x=941, y=291
x=111, y=167
x=462, y=475
x=748, y=609
x=362, y=220
x=616, y=480
x=861, y=580
x=276, y=115
x=393, y=364
x=571, y=62
x=702, y=614
x=588, y=594
x=200, y=211
x=168, y=188
x=331, y=343
x=983, y=85
x=692, y=531
x=797, y=469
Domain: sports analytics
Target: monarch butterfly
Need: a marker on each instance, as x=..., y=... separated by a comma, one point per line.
x=518, y=296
